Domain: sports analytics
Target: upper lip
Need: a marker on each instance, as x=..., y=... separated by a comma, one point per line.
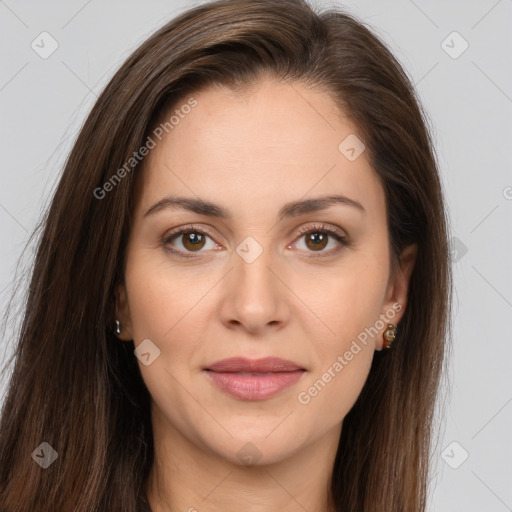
x=263, y=365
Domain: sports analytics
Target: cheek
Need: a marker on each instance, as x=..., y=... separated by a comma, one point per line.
x=330, y=395
x=167, y=307
x=348, y=304
x=160, y=297
x=345, y=303
x=349, y=309
x=162, y=308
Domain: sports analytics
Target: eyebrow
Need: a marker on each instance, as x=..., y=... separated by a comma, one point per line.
x=293, y=209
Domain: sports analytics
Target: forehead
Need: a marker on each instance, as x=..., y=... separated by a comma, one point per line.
x=272, y=140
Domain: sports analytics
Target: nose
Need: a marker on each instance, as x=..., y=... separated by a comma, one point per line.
x=254, y=295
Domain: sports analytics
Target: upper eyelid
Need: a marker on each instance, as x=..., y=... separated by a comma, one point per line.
x=323, y=226
x=188, y=227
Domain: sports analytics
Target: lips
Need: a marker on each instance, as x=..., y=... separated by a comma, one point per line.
x=254, y=379
x=265, y=365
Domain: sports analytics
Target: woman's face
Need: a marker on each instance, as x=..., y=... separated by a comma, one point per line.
x=244, y=282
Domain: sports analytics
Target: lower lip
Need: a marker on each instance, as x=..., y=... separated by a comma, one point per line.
x=254, y=387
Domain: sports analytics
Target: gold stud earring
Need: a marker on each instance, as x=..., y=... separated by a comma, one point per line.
x=389, y=335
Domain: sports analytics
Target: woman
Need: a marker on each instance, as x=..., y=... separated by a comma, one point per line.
x=240, y=298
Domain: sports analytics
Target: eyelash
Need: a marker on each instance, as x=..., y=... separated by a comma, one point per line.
x=317, y=228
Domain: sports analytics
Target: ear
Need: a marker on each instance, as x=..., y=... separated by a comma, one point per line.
x=123, y=313
x=396, y=294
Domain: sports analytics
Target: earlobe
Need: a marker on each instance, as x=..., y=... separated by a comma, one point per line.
x=396, y=297
x=123, y=325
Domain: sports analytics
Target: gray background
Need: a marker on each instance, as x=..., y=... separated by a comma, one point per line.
x=469, y=101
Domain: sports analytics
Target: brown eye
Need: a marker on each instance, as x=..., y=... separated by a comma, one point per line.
x=192, y=240
x=317, y=238
x=186, y=241
x=316, y=241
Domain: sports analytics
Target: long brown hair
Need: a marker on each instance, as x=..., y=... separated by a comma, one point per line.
x=75, y=386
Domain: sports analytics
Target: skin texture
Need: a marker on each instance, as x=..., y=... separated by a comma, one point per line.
x=252, y=153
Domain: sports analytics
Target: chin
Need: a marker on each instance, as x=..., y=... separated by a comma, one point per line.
x=258, y=449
